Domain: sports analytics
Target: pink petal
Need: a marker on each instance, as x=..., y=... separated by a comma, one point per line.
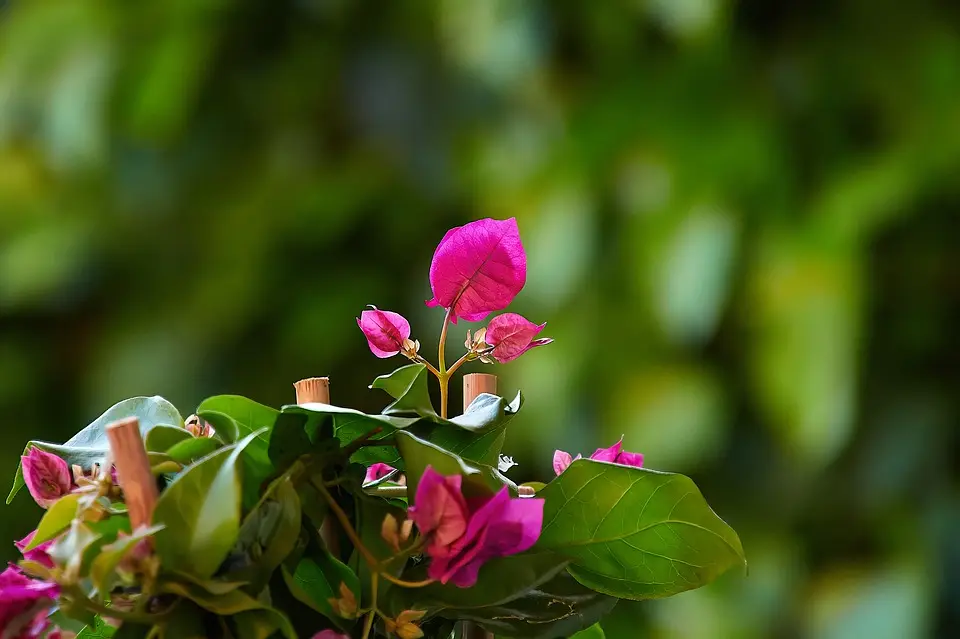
x=439, y=510
x=608, y=454
x=385, y=331
x=630, y=459
x=512, y=335
x=39, y=554
x=378, y=471
x=47, y=476
x=478, y=268
x=19, y=595
x=330, y=634
x=561, y=460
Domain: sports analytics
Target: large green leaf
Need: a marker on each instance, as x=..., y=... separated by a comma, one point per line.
x=90, y=446
x=418, y=454
x=201, y=512
x=316, y=579
x=190, y=450
x=593, y=632
x=408, y=385
x=262, y=624
x=249, y=416
x=635, y=533
x=558, y=608
x=162, y=437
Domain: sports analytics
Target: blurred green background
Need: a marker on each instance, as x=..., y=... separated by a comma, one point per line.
x=740, y=219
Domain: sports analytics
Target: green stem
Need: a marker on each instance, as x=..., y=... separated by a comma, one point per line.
x=82, y=600
x=374, y=581
x=460, y=362
x=345, y=523
x=406, y=584
x=388, y=491
x=430, y=367
x=444, y=376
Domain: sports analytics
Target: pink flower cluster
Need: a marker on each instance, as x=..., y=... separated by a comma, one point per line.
x=477, y=269
x=464, y=534
x=615, y=455
x=25, y=605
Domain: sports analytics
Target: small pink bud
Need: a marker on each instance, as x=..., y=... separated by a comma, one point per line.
x=47, y=476
x=512, y=335
x=614, y=455
x=377, y=471
x=478, y=268
x=386, y=331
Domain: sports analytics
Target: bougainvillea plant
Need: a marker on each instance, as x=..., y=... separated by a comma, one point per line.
x=323, y=522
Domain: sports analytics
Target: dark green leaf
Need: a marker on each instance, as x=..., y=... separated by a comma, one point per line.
x=369, y=523
x=288, y=440
x=268, y=535
x=635, y=533
x=90, y=445
x=161, y=438
x=185, y=622
x=316, y=579
x=593, y=632
x=262, y=624
x=408, y=387
x=558, y=608
x=201, y=512
x=500, y=581
x=418, y=454
x=227, y=603
x=190, y=450
x=56, y=519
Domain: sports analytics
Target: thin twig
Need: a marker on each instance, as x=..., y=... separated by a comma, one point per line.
x=345, y=523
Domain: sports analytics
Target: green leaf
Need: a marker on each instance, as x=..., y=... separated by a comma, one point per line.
x=225, y=426
x=370, y=513
x=190, y=450
x=478, y=480
x=161, y=438
x=100, y=630
x=408, y=387
x=316, y=579
x=268, y=535
x=186, y=621
x=103, y=568
x=593, y=632
x=479, y=433
x=262, y=624
x=90, y=446
x=225, y=604
x=560, y=607
x=249, y=416
x=635, y=533
x=288, y=440
x=56, y=519
x=68, y=551
x=200, y=510
x=500, y=581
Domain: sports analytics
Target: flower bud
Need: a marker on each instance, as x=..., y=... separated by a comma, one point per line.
x=386, y=332
x=403, y=626
x=346, y=605
x=47, y=476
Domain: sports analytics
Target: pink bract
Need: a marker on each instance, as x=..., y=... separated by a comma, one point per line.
x=385, y=331
x=378, y=471
x=512, y=335
x=463, y=537
x=614, y=454
x=47, y=476
x=478, y=268
x=330, y=634
x=25, y=604
x=440, y=510
x=39, y=554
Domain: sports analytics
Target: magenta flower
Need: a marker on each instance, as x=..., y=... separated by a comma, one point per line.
x=512, y=335
x=47, y=476
x=40, y=554
x=478, y=268
x=378, y=471
x=330, y=634
x=385, y=331
x=25, y=604
x=614, y=455
x=465, y=536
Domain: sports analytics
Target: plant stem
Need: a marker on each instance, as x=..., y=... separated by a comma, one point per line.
x=460, y=362
x=406, y=584
x=444, y=376
x=430, y=367
x=345, y=523
x=388, y=491
x=81, y=599
x=374, y=582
